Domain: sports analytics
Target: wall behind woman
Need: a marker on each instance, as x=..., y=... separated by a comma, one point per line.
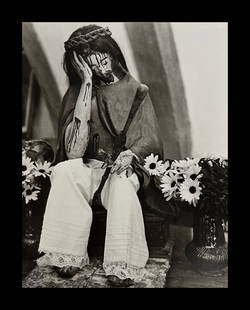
x=202, y=52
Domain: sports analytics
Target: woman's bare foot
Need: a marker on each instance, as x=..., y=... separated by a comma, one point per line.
x=66, y=271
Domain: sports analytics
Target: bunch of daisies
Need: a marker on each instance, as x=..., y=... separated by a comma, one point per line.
x=183, y=180
x=31, y=172
x=178, y=178
x=191, y=180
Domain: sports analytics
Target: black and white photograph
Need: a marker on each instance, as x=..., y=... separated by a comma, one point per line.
x=124, y=154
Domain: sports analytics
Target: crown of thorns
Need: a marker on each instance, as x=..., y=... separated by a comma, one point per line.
x=86, y=38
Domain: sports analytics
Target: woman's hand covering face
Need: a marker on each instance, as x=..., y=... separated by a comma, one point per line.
x=82, y=68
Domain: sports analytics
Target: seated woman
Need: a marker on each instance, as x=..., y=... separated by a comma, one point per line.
x=107, y=121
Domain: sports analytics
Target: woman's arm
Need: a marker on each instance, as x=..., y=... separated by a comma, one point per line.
x=77, y=132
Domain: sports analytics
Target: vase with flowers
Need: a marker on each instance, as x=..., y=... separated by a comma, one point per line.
x=200, y=184
x=37, y=156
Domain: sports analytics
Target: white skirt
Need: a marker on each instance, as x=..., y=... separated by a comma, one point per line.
x=68, y=218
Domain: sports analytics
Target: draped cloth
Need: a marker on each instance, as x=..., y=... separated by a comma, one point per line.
x=68, y=219
x=116, y=100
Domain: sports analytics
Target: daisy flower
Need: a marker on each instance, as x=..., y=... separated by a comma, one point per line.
x=184, y=164
x=43, y=169
x=222, y=160
x=190, y=191
x=210, y=163
x=27, y=165
x=152, y=164
x=29, y=193
x=27, y=178
x=169, y=185
x=164, y=167
x=193, y=172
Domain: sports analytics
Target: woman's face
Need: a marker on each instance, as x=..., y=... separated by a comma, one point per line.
x=101, y=66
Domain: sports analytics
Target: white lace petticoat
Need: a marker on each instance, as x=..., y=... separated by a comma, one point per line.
x=124, y=271
x=62, y=260
x=120, y=269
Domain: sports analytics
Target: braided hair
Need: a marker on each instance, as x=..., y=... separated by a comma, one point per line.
x=103, y=44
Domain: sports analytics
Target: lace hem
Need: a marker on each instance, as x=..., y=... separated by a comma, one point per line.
x=62, y=260
x=124, y=271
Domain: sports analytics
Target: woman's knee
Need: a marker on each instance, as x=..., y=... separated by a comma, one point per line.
x=66, y=167
x=121, y=195
x=60, y=170
x=123, y=183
